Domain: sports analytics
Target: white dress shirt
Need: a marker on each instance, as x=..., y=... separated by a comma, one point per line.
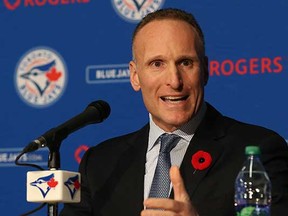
x=186, y=133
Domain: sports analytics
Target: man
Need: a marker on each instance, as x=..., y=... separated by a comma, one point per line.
x=169, y=67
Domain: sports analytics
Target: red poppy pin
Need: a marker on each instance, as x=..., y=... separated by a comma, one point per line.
x=201, y=160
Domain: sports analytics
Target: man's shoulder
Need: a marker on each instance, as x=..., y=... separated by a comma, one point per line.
x=232, y=123
x=249, y=127
x=239, y=129
x=104, y=157
x=120, y=142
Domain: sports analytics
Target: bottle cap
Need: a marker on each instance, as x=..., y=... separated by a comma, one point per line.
x=252, y=150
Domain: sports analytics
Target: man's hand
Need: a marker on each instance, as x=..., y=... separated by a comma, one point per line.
x=180, y=206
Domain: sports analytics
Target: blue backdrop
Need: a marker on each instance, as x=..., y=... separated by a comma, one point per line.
x=57, y=56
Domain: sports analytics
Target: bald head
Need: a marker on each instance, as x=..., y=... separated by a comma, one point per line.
x=173, y=14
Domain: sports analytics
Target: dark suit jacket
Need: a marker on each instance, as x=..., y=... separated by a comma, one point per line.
x=113, y=171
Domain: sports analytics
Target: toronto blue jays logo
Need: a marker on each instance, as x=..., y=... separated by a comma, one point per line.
x=73, y=185
x=135, y=10
x=45, y=184
x=40, y=77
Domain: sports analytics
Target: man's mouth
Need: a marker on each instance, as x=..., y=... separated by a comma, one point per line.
x=174, y=98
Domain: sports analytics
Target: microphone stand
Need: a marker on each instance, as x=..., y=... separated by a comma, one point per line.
x=54, y=164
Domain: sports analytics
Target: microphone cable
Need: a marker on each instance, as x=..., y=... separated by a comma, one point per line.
x=26, y=164
x=34, y=210
x=37, y=167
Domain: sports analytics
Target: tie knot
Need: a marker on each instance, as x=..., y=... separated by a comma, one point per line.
x=168, y=142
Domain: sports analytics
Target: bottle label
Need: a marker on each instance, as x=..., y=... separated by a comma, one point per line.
x=253, y=210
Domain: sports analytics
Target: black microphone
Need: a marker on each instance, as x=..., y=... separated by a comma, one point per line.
x=95, y=112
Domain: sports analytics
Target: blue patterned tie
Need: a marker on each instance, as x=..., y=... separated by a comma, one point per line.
x=161, y=182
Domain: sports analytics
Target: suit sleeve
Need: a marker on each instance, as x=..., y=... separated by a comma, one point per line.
x=84, y=208
x=275, y=159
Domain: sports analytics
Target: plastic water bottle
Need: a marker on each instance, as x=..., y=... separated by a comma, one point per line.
x=252, y=186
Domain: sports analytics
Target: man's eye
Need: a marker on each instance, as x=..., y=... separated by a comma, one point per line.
x=157, y=63
x=187, y=62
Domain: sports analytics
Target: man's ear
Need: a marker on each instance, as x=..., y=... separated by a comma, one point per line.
x=205, y=69
x=134, y=79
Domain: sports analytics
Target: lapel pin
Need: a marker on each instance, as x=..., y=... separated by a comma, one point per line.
x=201, y=160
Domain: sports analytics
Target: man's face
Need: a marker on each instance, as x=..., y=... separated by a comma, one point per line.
x=167, y=71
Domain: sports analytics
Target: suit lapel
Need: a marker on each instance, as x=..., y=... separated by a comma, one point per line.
x=127, y=198
x=134, y=178
x=206, y=139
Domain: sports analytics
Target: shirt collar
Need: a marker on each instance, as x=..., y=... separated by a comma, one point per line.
x=186, y=131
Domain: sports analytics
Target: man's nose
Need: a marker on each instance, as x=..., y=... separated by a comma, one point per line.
x=174, y=77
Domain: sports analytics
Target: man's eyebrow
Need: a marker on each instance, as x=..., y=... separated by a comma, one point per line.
x=153, y=58
x=192, y=57
x=188, y=57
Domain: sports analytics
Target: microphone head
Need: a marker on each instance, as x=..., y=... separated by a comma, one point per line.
x=103, y=109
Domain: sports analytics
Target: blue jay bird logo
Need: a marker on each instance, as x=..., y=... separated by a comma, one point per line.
x=73, y=185
x=134, y=10
x=45, y=184
x=40, y=77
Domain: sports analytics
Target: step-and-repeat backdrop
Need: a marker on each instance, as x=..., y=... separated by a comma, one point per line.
x=57, y=56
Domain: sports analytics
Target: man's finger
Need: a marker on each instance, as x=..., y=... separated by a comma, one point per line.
x=180, y=193
x=159, y=203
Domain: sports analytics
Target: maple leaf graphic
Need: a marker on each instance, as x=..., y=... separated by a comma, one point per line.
x=76, y=184
x=52, y=183
x=53, y=75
